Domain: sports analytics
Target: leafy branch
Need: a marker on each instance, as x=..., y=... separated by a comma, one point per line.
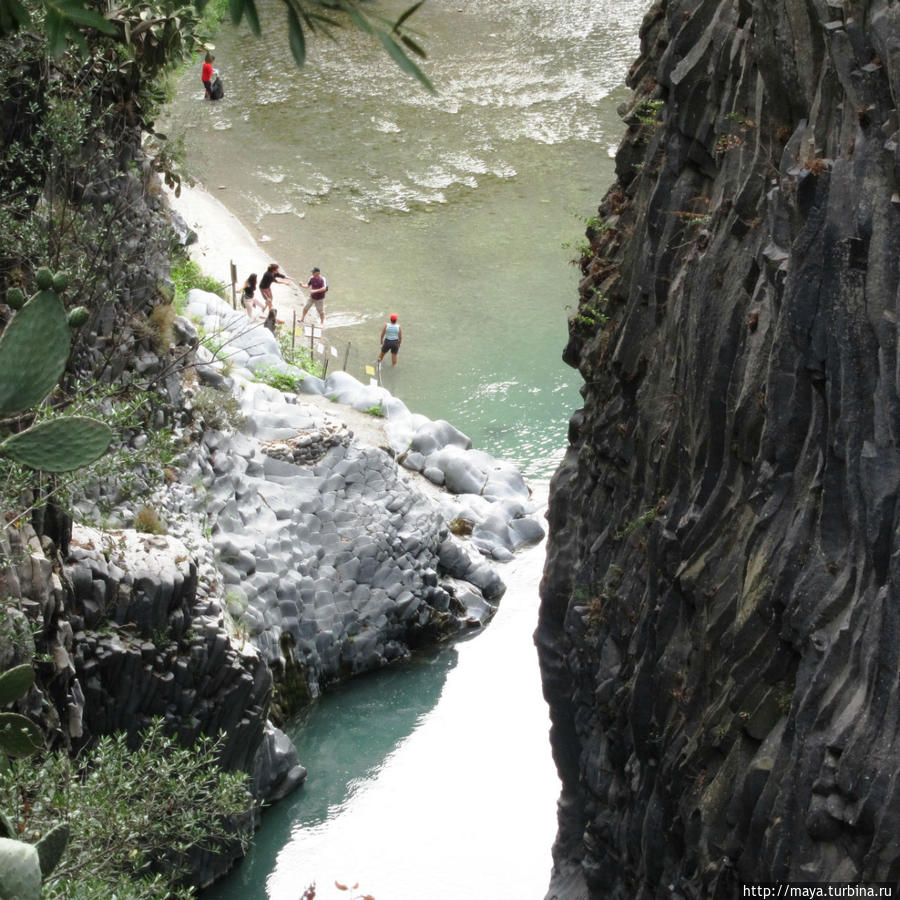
x=71, y=21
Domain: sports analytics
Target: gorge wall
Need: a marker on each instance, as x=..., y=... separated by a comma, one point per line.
x=719, y=620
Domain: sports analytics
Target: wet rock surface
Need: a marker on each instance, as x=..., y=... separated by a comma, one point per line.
x=279, y=549
x=720, y=598
x=331, y=557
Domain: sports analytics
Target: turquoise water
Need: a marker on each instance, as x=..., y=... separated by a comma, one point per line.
x=460, y=211
x=432, y=780
x=450, y=209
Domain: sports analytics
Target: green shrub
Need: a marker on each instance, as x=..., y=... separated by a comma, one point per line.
x=187, y=274
x=135, y=817
x=301, y=357
x=282, y=381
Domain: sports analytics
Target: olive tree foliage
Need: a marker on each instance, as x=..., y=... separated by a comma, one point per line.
x=65, y=21
x=137, y=815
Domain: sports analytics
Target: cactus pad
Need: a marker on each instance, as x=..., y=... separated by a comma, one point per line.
x=20, y=870
x=14, y=683
x=19, y=736
x=59, y=445
x=51, y=847
x=33, y=353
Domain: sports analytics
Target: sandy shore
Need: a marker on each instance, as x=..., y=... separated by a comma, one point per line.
x=224, y=239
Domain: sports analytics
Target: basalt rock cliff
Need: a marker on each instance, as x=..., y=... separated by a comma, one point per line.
x=720, y=614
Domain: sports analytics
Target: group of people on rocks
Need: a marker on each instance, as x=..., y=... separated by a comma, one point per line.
x=391, y=333
x=317, y=286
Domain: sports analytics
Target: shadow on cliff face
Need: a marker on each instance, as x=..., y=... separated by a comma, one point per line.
x=343, y=740
x=719, y=619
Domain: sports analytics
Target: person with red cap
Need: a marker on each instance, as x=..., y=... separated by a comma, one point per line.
x=391, y=335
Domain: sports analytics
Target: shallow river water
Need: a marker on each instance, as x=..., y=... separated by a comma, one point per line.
x=460, y=211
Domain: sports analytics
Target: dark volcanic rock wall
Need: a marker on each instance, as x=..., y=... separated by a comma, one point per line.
x=720, y=627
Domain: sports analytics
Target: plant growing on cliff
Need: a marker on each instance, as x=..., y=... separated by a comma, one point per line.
x=591, y=314
x=647, y=112
x=276, y=378
x=34, y=349
x=136, y=816
x=187, y=274
x=19, y=736
x=645, y=518
x=218, y=410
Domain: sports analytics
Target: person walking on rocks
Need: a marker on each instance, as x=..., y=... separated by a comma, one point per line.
x=391, y=335
x=318, y=287
x=248, y=294
x=265, y=283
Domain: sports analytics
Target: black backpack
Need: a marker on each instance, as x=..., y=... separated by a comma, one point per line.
x=216, y=92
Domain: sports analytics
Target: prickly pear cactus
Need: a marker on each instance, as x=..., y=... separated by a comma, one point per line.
x=59, y=445
x=15, y=682
x=22, y=866
x=51, y=847
x=19, y=736
x=20, y=871
x=33, y=353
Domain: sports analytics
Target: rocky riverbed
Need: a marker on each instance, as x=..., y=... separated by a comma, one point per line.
x=296, y=541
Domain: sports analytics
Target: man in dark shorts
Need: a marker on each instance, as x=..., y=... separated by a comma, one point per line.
x=391, y=335
x=317, y=289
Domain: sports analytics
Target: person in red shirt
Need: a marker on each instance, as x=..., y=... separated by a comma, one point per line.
x=206, y=74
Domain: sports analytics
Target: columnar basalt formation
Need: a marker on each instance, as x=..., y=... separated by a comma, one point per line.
x=718, y=631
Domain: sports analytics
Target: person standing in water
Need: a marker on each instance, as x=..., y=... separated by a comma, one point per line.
x=318, y=288
x=391, y=335
x=206, y=74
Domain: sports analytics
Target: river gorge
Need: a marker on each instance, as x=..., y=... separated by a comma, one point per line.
x=705, y=405
x=461, y=211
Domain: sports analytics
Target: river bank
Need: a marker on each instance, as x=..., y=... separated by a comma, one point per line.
x=484, y=688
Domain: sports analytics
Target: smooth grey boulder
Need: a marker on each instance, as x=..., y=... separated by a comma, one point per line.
x=276, y=766
x=312, y=384
x=462, y=475
x=432, y=436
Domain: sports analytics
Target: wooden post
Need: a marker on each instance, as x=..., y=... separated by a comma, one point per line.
x=347, y=356
x=233, y=285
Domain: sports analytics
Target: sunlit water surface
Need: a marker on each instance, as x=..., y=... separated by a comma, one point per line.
x=460, y=211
